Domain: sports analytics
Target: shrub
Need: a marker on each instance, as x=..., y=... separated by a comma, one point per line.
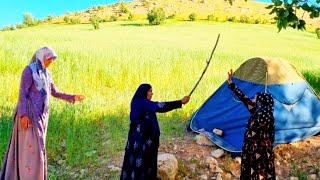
x=66, y=19
x=20, y=26
x=95, y=20
x=130, y=17
x=156, y=16
x=172, y=16
x=123, y=8
x=8, y=28
x=49, y=18
x=113, y=18
x=232, y=19
x=244, y=19
x=193, y=16
x=318, y=32
x=28, y=19
x=211, y=17
x=74, y=21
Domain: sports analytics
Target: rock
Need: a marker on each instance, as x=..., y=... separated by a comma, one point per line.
x=203, y=140
x=235, y=169
x=293, y=178
x=192, y=167
x=217, y=153
x=218, y=177
x=167, y=166
x=218, y=170
x=114, y=168
x=238, y=160
x=175, y=147
x=312, y=177
x=203, y=177
x=211, y=161
x=227, y=176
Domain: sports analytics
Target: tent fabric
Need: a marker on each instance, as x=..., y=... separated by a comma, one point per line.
x=279, y=71
x=296, y=110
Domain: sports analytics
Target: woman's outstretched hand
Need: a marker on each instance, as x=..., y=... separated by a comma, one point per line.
x=230, y=74
x=78, y=98
x=185, y=99
x=25, y=122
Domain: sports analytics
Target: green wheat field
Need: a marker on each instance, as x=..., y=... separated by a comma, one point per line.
x=107, y=65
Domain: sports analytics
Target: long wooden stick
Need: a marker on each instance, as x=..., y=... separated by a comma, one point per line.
x=205, y=69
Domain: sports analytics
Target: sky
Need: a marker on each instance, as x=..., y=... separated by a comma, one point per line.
x=12, y=11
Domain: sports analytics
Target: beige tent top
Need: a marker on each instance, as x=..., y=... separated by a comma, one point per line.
x=277, y=71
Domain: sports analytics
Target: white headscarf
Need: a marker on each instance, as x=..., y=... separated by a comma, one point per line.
x=40, y=74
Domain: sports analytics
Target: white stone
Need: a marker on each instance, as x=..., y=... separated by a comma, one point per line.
x=294, y=178
x=238, y=160
x=203, y=140
x=312, y=177
x=218, y=177
x=167, y=166
x=203, y=177
x=217, y=153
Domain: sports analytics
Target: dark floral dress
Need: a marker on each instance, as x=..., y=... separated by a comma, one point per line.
x=257, y=158
x=141, y=152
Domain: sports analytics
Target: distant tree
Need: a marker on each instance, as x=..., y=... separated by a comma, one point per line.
x=123, y=8
x=172, y=16
x=95, y=20
x=113, y=18
x=318, y=32
x=20, y=26
x=130, y=17
x=8, y=28
x=66, y=19
x=28, y=19
x=49, y=18
x=74, y=21
x=156, y=16
x=193, y=16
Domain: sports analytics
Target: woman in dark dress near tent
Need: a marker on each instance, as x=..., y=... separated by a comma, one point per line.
x=257, y=158
x=140, y=159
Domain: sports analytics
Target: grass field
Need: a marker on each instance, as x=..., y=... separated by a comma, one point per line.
x=107, y=65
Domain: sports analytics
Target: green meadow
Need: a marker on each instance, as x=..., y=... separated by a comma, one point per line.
x=107, y=65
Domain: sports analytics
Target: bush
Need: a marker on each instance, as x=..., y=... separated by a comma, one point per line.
x=232, y=19
x=95, y=20
x=66, y=19
x=74, y=21
x=156, y=16
x=28, y=19
x=8, y=28
x=36, y=22
x=193, y=16
x=49, y=18
x=123, y=8
x=211, y=17
x=130, y=17
x=244, y=19
x=113, y=18
x=20, y=26
x=318, y=32
x=172, y=16
x=100, y=7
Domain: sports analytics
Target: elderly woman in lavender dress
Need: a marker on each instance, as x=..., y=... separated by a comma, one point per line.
x=26, y=156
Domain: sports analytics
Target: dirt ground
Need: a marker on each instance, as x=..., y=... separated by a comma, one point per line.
x=299, y=159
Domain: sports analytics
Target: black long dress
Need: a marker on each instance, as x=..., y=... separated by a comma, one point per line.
x=257, y=158
x=141, y=152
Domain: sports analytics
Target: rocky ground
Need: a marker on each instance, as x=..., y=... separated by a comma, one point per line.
x=198, y=158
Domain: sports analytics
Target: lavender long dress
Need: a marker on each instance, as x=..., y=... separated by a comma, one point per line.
x=26, y=156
